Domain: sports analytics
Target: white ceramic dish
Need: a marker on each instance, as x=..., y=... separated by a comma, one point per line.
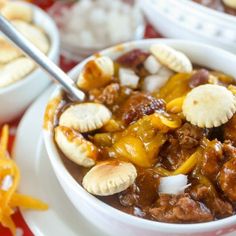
x=37, y=171
x=16, y=97
x=185, y=19
x=107, y=217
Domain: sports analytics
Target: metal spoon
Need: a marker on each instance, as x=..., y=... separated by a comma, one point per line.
x=43, y=61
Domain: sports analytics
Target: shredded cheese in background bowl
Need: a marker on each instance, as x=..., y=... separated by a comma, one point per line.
x=9, y=180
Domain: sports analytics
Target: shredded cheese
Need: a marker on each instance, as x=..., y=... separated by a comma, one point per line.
x=8, y=197
x=175, y=105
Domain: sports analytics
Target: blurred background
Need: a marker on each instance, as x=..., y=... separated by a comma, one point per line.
x=87, y=26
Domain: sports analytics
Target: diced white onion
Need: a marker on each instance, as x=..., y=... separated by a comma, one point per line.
x=106, y=65
x=128, y=78
x=165, y=73
x=152, y=83
x=152, y=65
x=175, y=184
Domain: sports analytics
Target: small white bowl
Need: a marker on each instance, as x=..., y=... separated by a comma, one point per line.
x=184, y=19
x=15, y=98
x=109, y=219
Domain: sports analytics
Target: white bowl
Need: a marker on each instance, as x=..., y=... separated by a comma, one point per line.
x=109, y=219
x=185, y=19
x=15, y=98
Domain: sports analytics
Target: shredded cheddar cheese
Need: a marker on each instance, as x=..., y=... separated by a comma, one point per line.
x=175, y=105
x=186, y=167
x=9, y=180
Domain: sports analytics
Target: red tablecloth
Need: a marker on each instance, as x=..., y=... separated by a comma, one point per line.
x=22, y=228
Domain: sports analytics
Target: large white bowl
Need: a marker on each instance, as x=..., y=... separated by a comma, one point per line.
x=109, y=219
x=15, y=98
x=184, y=19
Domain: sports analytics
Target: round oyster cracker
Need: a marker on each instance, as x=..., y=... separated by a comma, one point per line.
x=8, y=51
x=75, y=147
x=96, y=73
x=209, y=106
x=109, y=177
x=34, y=34
x=85, y=117
x=14, y=10
x=15, y=70
x=171, y=58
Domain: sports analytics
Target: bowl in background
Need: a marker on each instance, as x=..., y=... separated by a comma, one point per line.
x=15, y=98
x=185, y=19
x=106, y=217
x=78, y=52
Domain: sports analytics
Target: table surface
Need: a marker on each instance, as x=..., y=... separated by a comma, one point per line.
x=66, y=65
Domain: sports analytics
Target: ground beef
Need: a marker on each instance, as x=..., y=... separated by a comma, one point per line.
x=179, y=209
x=172, y=154
x=212, y=159
x=220, y=208
x=133, y=59
x=227, y=179
x=230, y=130
x=138, y=105
x=128, y=198
x=217, y=206
x=229, y=150
x=181, y=144
x=143, y=192
x=199, y=78
x=189, y=135
x=110, y=94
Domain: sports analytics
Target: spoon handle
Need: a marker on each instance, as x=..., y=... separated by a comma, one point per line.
x=43, y=61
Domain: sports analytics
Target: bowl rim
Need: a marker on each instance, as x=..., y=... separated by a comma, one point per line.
x=63, y=174
x=54, y=47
